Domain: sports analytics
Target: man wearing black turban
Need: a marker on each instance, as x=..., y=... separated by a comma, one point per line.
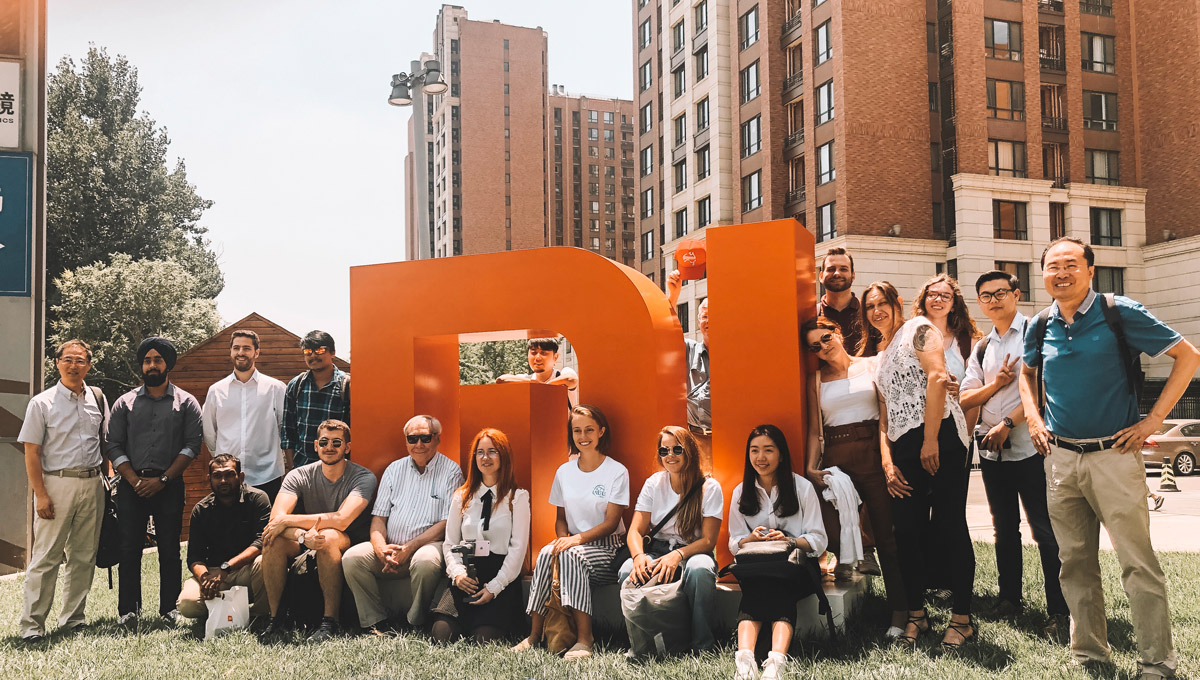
x=154, y=432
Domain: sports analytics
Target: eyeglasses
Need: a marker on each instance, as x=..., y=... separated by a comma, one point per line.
x=998, y=296
x=487, y=453
x=320, y=351
x=73, y=360
x=423, y=438
x=326, y=441
x=663, y=451
x=821, y=342
x=944, y=297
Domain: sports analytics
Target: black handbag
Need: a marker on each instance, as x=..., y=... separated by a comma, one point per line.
x=780, y=560
x=624, y=554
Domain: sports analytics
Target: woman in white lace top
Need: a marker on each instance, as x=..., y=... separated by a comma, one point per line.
x=927, y=474
x=882, y=313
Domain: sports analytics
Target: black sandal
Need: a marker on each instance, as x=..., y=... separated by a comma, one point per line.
x=961, y=629
x=910, y=641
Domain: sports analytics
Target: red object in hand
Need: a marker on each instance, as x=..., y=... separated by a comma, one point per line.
x=691, y=256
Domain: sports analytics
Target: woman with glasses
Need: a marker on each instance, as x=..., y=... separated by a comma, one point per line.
x=928, y=474
x=683, y=546
x=882, y=313
x=489, y=518
x=591, y=492
x=844, y=431
x=771, y=504
x=941, y=301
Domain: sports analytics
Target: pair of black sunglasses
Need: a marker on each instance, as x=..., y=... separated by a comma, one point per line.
x=423, y=438
x=663, y=451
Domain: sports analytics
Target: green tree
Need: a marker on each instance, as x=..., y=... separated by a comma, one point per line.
x=480, y=363
x=115, y=305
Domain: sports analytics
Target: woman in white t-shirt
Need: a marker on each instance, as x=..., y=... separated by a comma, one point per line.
x=591, y=492
x=492, y=514
x=683, y=547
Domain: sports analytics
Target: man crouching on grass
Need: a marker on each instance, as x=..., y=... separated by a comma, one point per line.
x=335, y=493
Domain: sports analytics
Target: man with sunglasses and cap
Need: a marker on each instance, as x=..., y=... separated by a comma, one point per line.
x=321, y=393
x=321, y=507
x=407, y=529
x=154, y=432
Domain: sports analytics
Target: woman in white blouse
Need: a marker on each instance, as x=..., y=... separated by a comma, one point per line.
x=591, y=491
x=493, y=514
x=683, y=547
x=882, y=313
x=771, y=504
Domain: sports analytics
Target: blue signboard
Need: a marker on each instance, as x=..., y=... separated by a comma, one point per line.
x=16, y=223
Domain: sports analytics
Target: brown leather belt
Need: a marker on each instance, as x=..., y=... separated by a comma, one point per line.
x=866, y=429
x=80, y=473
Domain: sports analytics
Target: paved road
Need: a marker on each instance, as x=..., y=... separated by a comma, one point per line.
x=1174, y=528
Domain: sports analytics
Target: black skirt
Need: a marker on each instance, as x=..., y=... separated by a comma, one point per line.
x=769, y=599
x=505, y=611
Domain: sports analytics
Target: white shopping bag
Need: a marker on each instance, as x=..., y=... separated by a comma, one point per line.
x=228, y=612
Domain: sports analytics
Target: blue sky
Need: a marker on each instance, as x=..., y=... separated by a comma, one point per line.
x=280, y=111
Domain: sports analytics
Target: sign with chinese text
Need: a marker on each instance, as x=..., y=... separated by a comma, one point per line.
x=16, y=223
x=10, y=104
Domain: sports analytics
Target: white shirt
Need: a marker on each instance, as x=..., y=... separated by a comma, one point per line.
x=411, y=500
x=849, y=400
x=507, y=533
x=1006, y=398
x=67, y=427
x=243, y=420
x=658, y=498
x=902, y=382
x=586, y=495
x=806, y=523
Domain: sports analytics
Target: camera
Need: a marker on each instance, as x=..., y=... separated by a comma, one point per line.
x=466, y=550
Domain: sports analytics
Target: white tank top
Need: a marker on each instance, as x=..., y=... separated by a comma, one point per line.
x=849, y=400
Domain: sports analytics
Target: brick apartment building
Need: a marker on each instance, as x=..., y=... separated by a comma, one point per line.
x=939, y=135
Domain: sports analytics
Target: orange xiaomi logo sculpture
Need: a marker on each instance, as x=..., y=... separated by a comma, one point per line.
x=406, y=319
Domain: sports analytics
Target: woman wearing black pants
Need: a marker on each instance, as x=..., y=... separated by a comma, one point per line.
x=927, y=475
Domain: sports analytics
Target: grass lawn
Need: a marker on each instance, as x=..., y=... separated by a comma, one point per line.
x=1010, y=650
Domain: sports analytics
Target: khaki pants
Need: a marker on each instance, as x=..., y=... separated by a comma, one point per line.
x=379, y=596
x=1109, y=487
x=191, y=605
x=74, y=533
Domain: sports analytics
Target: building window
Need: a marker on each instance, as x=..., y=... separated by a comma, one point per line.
x=703, y=168
x=933, y=96
x=751, y=136
x=593, y=134
x=680, y=79
x=1019, y=270
x=749, y=79
x=648, y=202
x=825, y=102
x=1109, y=280
x=703, y=212
x=648, y=245
x=608, y=117
x=644, y=34
x=1006, y=159
x=825, y=169
x=822, y=44
x=1099, y=110
x=702, y=63
x=1002, y=39
x=680, y=170
x=1102, y=166
x=680, y=130
x=826, y=222
x=702, y=114
x=1009, y=220
x=1099, y=53
x=646, y=75
x=752, y=191
x=680, y=223
x=1006, y=99
x=931, y=38
x=647, y=160
x=748, y=28
x=593, y=116
x=609, y=136
x=1106, y=227
x=647, y=117
x=677, y=37
x=935, y=157
x=681, y=312
x=701, y=16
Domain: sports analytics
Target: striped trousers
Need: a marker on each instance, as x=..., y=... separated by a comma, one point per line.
x=579, y=570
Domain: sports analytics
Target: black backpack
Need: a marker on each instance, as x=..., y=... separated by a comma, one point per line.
x=108, y=554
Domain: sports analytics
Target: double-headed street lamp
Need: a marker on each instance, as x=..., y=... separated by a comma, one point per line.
x=429, y=77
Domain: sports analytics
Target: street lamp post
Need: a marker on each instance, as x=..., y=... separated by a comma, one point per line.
x=427, y=75
x=427, y=78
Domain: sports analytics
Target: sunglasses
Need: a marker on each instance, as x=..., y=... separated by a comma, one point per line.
x=663, y=451
x=423, y=438
x=320, y=351
x=326, y=441
x=821, y=342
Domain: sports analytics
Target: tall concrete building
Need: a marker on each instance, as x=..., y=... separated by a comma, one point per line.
x=498, y=163
x=929, y=136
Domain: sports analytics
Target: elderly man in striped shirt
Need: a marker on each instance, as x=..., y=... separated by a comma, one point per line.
x=407, y=529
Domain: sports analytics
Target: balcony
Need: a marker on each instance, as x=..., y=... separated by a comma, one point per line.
x=700, y=139
x=626, y=162
x=1056, y=123
x=678, y=57
x=1099, y=7
x=792, y=29
x=1051, y=6
x=1052, y=62
x=793, y=145
x=946, y=52
x=700, y=40
x=627, y=127
x=793, y=86
x=794, y=196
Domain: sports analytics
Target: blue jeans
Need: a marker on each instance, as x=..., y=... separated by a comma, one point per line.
x=700, y=584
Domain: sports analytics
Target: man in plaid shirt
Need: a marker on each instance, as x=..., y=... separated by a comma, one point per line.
x=321, y=393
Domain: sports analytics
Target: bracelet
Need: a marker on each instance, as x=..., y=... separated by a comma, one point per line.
x=681, y=555
x=139, y=483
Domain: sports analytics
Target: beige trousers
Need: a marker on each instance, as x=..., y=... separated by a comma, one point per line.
x=73, y=535
x=1083, y=491
x=191, y=605
x=379, y=596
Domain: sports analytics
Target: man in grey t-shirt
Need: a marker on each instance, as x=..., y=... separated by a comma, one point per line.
x=334, y=495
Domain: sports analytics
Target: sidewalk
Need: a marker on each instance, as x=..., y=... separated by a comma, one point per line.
x=1175, y=528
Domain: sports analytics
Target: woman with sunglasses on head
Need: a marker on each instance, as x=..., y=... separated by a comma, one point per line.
x=491, y=515
x=928, y=474
x=692, y=506
x=844, y=431
x=882, y=314
x=771, y=504
x=591, y=492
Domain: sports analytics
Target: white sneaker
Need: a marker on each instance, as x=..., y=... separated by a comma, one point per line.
x=746, y=668
x=772, y=668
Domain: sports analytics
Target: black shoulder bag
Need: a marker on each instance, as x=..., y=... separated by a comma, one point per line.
x=624, y=554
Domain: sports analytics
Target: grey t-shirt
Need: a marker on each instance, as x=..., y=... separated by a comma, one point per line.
x=316, y=494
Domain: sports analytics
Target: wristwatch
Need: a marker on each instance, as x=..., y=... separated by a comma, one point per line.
x=164, y=479
x=225, y=566
x=1008, y=422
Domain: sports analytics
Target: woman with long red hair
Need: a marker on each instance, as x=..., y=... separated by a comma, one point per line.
x=489, y=513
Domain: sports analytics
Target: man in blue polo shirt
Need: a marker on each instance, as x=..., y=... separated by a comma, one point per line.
x=1091, y=436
